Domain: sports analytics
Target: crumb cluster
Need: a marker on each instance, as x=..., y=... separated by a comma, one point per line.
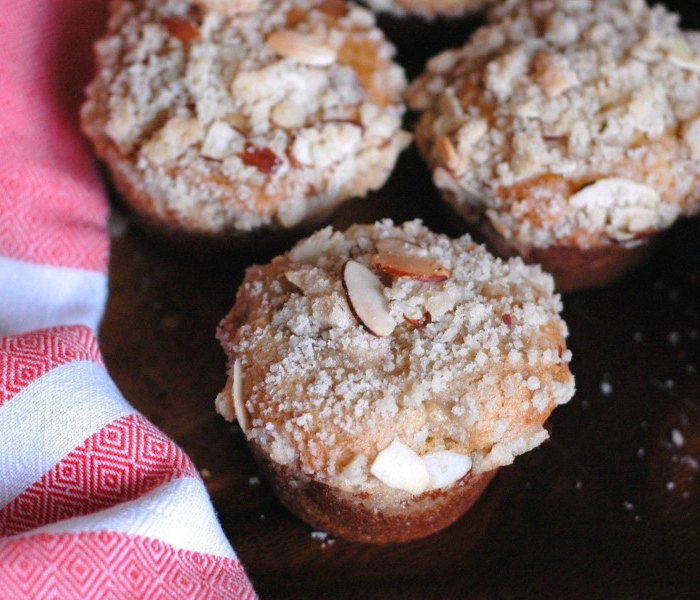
x=478, y=376
x=555, y=95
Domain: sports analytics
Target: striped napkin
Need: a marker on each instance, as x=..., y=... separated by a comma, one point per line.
x=95, y=502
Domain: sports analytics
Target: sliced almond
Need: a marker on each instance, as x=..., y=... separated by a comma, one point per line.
x=242, y=415
x=398, y=246
x=495, y=220
x=289, y=114
x=365, y=294
x=614, y=191
x=446, y=153
x=419, y=268
x=691, y=137
x=445, y=468
x=682, y=55
x=443, y=62
x=302, y=48
x=220, y=140
x=418, y=323
x=553, y=73
x=418, y=96
x=230, y=8
x=310, y=249
x=401, y=468
x=636, y=219
x=172, y=140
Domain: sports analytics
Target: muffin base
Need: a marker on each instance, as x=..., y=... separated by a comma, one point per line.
x=574, y=269
x=353, y=518
x=577, y=269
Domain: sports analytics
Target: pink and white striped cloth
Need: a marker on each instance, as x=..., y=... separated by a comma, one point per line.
x=95, y=502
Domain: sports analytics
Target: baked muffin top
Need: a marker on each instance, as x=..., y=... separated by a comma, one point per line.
x=245, y=113
x=389, y=336
x=569, y=122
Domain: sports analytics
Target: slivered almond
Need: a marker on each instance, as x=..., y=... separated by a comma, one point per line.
x=302, y=48
x=446, y=468
x=419, y=268
x=365, y=294
x=682, y=55
x=242, y=415
x=230, y=8
x=401, y=468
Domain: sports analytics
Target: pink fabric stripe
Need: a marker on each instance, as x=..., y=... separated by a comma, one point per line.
x=52, y=205
x=100, y=565
x=122, y=461
x=26, y=357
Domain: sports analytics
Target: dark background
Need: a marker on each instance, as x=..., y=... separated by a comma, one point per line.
x=609, y=508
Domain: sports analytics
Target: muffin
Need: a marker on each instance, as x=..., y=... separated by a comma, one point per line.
x=222, y=118
x=427, y=9
x=568, y=132
x=382, y=375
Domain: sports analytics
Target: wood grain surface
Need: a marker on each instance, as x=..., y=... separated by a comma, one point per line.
x=609, y=508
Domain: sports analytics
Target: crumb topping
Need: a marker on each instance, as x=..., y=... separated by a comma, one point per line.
x=558, y=95
x=477, y=377
x=239, y=114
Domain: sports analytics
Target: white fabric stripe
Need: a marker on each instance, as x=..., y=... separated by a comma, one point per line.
x=50, y=417
x=38, y=296
x=178, y=513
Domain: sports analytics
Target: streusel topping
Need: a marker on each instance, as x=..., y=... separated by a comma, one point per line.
x=238, y=114
x=472, y=362
x=559, y=95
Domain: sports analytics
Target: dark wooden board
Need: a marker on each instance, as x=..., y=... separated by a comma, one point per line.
x=609, y=508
